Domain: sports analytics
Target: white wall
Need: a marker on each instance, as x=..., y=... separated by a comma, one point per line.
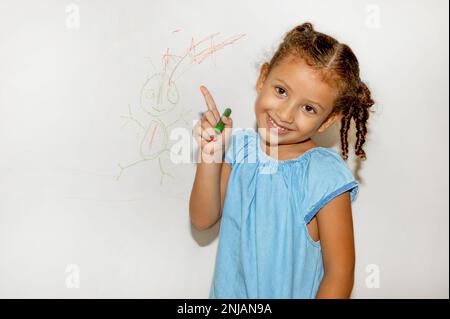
x=63, y=90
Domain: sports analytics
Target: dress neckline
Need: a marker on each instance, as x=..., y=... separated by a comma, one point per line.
x=289, y=160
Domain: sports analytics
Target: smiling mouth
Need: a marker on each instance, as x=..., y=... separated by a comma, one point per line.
x=272, y=124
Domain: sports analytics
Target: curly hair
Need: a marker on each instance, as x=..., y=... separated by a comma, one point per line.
x=339, y=67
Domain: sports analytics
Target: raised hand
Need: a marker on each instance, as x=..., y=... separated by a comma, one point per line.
x=211, y=141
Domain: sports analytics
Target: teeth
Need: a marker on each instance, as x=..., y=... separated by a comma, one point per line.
x=277, y=126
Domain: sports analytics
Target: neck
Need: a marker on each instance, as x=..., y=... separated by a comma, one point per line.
x=292, y=148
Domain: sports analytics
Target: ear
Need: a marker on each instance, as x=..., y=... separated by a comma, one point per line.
x=262, y=76
x=331, y=119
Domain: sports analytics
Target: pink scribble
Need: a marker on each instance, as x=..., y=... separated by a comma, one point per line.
x=151, y=138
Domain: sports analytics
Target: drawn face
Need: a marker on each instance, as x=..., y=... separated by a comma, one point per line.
x=159, y=95
x=294, y=100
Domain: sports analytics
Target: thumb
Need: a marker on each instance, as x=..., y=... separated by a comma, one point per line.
x=228, y=121
x=227, y=129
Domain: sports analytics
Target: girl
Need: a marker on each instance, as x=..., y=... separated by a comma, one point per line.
x=286, y=221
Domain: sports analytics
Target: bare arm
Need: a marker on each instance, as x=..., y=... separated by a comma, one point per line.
x=208, y=194
x=211, y=177
x=336, y=236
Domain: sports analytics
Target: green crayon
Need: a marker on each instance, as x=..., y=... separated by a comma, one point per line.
x=220, y=125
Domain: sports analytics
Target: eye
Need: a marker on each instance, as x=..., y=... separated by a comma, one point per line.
x=309, y=109
x=280, y=89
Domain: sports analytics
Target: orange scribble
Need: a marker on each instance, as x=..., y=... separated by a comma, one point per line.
x=203, y=54
x=165, y=58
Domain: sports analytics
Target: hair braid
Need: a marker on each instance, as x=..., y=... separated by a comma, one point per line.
x=345, y=125
x=361, y=115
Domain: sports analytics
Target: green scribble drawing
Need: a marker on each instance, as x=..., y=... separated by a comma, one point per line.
x=159, y=96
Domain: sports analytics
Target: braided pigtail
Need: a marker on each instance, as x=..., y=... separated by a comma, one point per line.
x=361, y=116
x=357, y=107
x=345, y=126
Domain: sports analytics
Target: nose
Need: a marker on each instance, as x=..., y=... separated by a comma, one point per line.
x=285, y=114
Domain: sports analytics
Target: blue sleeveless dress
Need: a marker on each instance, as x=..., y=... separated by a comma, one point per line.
x=264, y=249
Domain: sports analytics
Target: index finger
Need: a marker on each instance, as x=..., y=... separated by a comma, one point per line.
x=209, y=99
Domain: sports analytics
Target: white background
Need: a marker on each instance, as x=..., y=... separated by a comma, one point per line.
x=70, y=229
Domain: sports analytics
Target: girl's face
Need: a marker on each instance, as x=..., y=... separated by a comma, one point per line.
x=295, y=97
